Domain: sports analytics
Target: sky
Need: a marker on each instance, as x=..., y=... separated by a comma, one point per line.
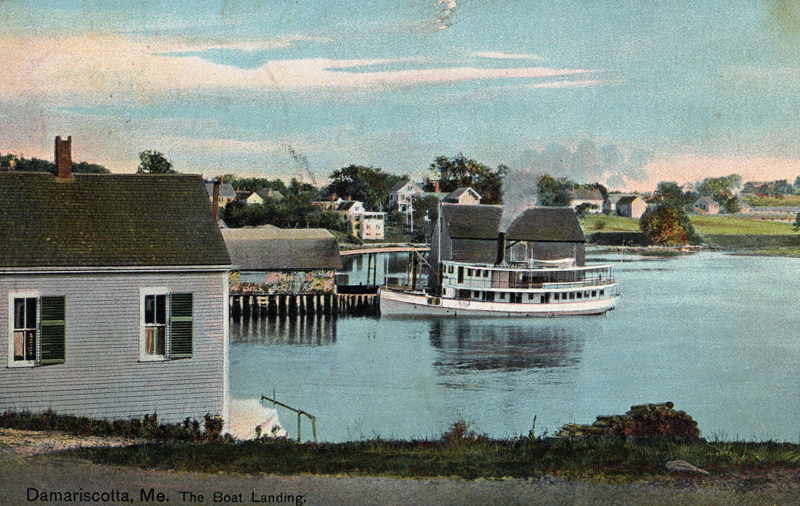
x=625, y=93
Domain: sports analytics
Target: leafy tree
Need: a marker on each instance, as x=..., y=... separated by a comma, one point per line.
x=36, y=165
x=796, y=225
x=669, y=192
x=365, y=184
x=668, y=224
x=554, y=192
x=154, y=162
x=461, y=171
x=89, y=168
x=252, y=184
x=719, y=188
x=424, y=207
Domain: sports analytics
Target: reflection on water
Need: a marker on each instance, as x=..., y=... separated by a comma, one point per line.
x=302, y=329
x=470, y=345
x=709, y=332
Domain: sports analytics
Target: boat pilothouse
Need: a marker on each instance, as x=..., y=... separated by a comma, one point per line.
x=535, y=270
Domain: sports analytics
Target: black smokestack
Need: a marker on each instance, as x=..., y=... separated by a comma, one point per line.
x=501, y=248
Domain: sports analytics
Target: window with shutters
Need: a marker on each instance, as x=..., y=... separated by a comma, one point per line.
x=36, y=330
x=166, y=325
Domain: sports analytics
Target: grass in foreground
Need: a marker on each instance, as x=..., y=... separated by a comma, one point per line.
x=605, y=460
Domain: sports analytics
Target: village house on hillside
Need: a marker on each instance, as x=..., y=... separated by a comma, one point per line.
x=116, y=293
x=470, y=234
x=225, y=193
x=706, y=205
x=361, y=223
x=463, y=196
x=631, y=206
x=402, y=194
x=591, y=197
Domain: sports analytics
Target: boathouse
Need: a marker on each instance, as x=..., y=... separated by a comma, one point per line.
x=472, y=233
x=282, y=270
x=115, y=289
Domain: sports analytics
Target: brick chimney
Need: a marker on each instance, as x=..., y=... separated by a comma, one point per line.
x=64, y=158
x=215, y=198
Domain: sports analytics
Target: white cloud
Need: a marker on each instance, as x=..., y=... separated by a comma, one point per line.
x=508, y=56
x=116, y=69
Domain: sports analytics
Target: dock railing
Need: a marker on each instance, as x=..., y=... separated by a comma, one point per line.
x=300, y=414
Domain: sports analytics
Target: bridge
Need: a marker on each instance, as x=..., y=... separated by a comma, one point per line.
x=384, y=248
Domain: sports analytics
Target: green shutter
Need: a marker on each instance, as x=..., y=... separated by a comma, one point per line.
x=180, y=325
x=51, y=331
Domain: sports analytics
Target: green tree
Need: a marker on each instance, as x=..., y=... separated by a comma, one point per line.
x=465, y=172
x=553, y=192
x=719, y=188
x=154, y=162
x=796, y=225
x=668, y=224
x=36, y=165
x=366, y=184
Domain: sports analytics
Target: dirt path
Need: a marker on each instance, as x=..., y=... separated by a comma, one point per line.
x=29, y=476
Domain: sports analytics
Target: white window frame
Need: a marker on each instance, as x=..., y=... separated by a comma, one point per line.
x=23, y=294
x=143, y=355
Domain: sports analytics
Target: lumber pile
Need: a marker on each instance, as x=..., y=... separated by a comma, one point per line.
x=642, y=421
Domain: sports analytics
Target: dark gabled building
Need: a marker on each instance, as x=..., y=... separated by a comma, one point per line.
x=270, y=260
x=470, y=234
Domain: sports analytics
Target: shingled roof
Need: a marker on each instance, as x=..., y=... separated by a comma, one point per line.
x=275, y=249
x=547, y=224
x=543, y=224
x=108, y=220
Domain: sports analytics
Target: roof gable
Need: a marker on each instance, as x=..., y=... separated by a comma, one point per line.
x=547, y=224
x=114, y=220
x=274, y=249
x=544, y=224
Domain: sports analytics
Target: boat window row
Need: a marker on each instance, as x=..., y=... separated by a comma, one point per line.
x=535, y=298
x=533, y=278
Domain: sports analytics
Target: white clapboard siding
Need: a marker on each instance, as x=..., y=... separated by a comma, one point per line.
x=102, y=376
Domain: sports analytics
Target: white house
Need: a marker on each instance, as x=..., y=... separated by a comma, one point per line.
x=592, y=197
x=402, y=194
x=360, y=222
x=706, y=205
x=115, y=308
x=631, y=206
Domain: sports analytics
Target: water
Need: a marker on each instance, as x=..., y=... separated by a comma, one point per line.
x=713, y=333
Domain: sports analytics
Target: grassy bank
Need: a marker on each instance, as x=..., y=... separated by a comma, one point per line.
x=605, y=460
x=733, y=233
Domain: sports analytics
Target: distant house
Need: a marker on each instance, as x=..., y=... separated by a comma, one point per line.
x=118, y=307
x=226, y=193
x=261, y=196
x=592, y=197
x=470, y=234
x=269, y=194
x=631, y=206
x=269, y=260
x=706, y=205
x=610, y=202
x=463, y=196
x=360, y=222
x=402, y=194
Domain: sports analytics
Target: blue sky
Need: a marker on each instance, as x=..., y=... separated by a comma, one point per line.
x=627, y=93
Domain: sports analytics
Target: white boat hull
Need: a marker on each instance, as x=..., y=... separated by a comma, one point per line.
x=417, y=304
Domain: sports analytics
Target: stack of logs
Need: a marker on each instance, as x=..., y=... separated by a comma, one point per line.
x=644, y=420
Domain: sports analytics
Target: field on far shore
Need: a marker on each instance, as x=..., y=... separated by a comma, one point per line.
x=736, y=233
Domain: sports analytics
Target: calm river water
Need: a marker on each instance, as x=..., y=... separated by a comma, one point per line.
x=715, y=334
